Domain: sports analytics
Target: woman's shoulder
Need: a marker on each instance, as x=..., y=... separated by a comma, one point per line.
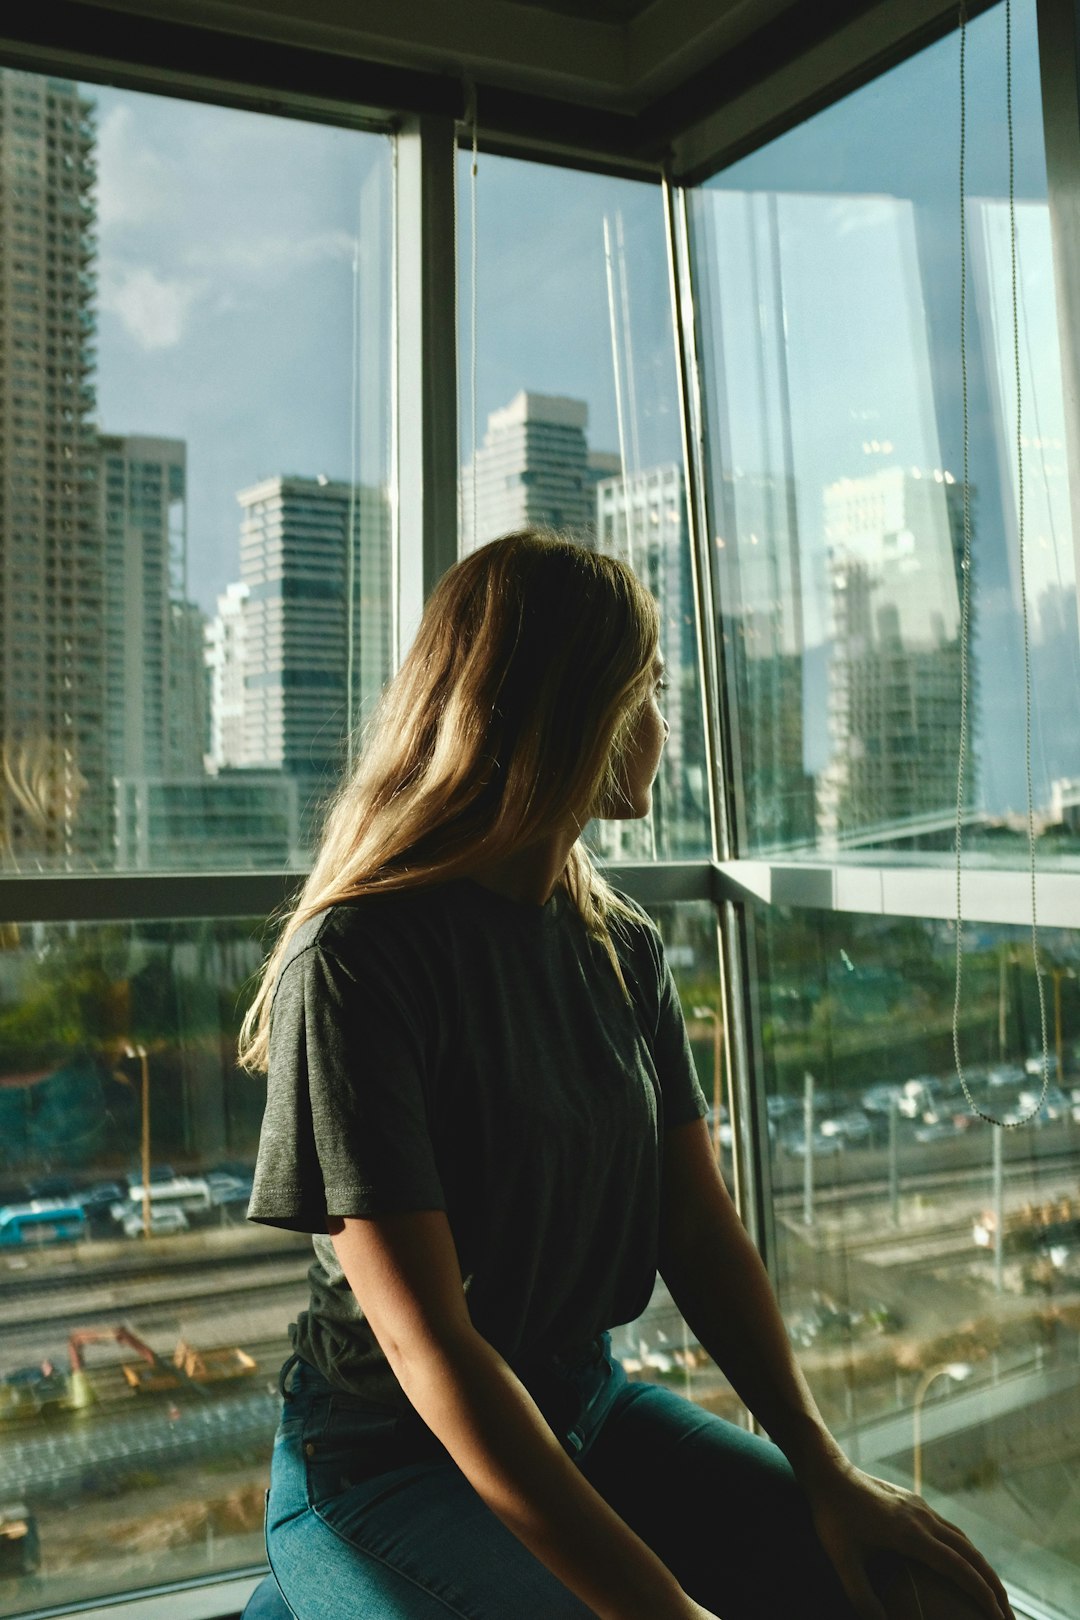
x=384, y=926
x=638, y=943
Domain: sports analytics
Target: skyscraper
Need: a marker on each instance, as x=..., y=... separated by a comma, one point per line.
x=155, y=678
x=642, y=520
x=224, y=651
x=304, y=685
x=894, y=671
x=759, y=588
x=54, y=802
x=532, y=468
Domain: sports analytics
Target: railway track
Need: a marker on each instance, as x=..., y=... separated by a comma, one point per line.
x=829, y=1190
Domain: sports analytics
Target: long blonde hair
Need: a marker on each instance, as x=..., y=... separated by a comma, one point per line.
x=511, y=710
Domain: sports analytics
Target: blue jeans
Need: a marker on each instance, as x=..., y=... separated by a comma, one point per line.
x=368, y=1517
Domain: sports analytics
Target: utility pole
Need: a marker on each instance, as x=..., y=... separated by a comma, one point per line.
x=894, y=1168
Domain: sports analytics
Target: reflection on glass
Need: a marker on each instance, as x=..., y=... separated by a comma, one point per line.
x=915, y=1240
x=828, y=283
x=144, y=1318
x=194, y=547
x=576, y=419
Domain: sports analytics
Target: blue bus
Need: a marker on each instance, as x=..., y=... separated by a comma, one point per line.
x=46, y=1220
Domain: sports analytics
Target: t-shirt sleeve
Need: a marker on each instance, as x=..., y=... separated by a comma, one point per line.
x=684, y=1099
x=345, y=1129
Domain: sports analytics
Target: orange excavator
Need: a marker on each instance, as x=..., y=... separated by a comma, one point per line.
x=189, y=1368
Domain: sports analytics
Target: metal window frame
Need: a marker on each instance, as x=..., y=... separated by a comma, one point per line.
x=425, y=405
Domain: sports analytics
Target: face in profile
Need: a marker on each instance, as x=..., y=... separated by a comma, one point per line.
x=641, y=757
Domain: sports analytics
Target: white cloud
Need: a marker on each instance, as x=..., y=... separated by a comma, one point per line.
x=134, y=181
x=154, y=309
x=851, y=214
x=271, y=257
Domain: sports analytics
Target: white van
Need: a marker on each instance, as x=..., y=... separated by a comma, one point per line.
x=188, y=1193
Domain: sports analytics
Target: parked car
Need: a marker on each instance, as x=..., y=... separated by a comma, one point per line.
x=225, y=1189
x=1006, y=1074
x=821, y=1146
x=878, y=1099
x=1055, y=1105
x=852, y=1126
x=937, y=1130
x=163, y=1222
x=101, y=1196
x=51, y=1185
x=158, y=1173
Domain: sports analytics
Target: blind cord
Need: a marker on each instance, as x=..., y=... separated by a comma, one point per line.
x=965, y=612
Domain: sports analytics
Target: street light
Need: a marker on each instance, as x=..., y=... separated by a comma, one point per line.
x=956, y=1370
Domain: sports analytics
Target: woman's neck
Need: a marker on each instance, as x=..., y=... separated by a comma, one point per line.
x=530, y=874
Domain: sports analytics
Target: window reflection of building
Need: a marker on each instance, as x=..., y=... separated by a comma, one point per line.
x=240, y=819
x=53, y=797
x=764, y=636
x=532, y=468
x=642, y=520
x=154, y=668
x=225, y=671
x=894, y=671
x=292, y=639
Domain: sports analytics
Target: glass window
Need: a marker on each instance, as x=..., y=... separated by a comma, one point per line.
x=144, y=1318
x=659, y=1347
x=828, y=267
x=576, y=422
x=222, y=520
x=927, y=1264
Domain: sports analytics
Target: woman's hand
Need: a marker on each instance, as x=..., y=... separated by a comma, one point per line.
x=857, y=1517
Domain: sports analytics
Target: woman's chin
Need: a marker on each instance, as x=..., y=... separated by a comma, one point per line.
x=633, y=809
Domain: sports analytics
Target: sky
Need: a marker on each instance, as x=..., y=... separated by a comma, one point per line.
x=232, y=246
x=244, y=301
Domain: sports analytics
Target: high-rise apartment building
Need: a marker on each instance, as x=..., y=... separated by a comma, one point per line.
x=155, y=675
x=224, y=653
x=641, y=520
x=532, y=468
x=54, y=801
x=894, y=672
x=304, y=683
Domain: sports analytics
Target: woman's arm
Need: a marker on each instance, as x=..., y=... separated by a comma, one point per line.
x=405, y=1274
x=722, y=1289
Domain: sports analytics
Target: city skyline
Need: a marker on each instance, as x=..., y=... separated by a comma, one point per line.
x=221, y=300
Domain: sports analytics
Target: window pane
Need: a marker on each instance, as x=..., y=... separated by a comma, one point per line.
x=887, y=1263
x=138, y=1370
x=138, y=1391
x=194, y=305
x=659, y=1347
x=828, y=268
x=576, y=418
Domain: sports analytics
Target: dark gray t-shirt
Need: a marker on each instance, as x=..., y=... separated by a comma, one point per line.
x=448, y=1048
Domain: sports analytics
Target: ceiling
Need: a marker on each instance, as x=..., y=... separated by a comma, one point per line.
x=631, y=82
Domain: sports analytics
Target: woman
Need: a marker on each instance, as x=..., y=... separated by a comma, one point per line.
x=482, y=1105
